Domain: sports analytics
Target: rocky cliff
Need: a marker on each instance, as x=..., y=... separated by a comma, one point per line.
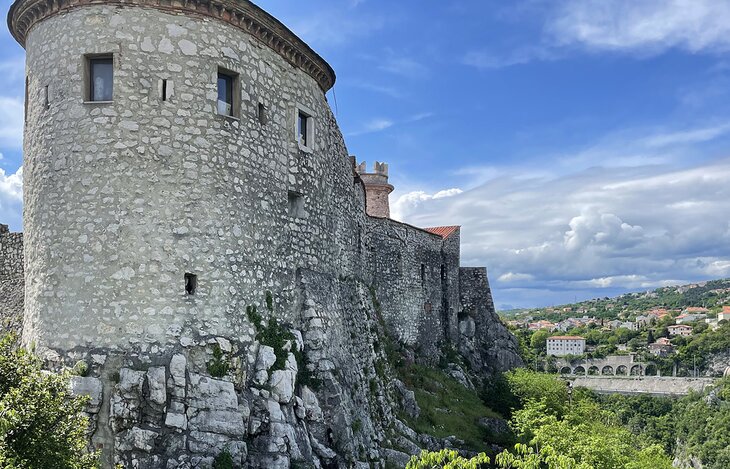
x=322, y=392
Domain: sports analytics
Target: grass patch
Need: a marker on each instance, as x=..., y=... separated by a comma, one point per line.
x=447, y=407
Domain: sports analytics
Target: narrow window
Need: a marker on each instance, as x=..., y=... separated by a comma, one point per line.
x=101, y=78
x=191, y=284
x=262, y=114
x=296, y=205
x=226, y=93
x=46, y=97
x=303, y=131
x=25, y=103
x=164, y=89
x=423, y=274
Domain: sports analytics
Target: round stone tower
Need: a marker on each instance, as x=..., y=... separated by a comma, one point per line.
x=377, y=189
x=180, y=158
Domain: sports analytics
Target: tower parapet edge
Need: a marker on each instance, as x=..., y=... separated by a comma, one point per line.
x=377, y=189
x=24, y=14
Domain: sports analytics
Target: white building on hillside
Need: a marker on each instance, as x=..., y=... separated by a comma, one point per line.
x=562, y=345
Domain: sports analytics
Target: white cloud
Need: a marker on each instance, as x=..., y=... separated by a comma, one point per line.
x=382, y=123
x=698, y=135
x=591, y=230
x=643, y=26
x=647, y=27
x=490, y=59
x=514, y=277
x=403, y=66
x=11, y=198
x=406, y=203
x=11, y=122
x=374, y=125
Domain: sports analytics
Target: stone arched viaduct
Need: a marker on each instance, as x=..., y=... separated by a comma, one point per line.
x=616, y=365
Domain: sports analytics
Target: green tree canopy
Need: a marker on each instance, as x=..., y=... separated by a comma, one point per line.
x=41, y=423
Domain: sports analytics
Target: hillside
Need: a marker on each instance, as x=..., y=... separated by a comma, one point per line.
x=711, y=295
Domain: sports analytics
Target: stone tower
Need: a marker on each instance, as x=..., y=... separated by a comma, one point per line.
x=173, y=154
x=377, y=189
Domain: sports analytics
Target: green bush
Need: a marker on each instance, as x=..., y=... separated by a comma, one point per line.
x=41, y=423
x=219, y=366
x=224, y=460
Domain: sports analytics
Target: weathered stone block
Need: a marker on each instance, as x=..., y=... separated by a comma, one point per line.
x=157, y=387
x=137, y=439
x=88, y=386
x=209, y=393
x=219, y=421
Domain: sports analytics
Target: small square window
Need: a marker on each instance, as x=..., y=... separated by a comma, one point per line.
x=191, y=284
x=227, y=85
x=296, y=205
x=101, y=78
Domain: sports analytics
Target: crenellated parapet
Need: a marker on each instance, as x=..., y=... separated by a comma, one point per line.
x=377, y=189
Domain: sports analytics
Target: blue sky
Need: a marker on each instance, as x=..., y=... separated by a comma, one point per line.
x=583, y=145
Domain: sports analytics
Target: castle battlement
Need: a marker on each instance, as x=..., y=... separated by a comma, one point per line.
x=377, y=189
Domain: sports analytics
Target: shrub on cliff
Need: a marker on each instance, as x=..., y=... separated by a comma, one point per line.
x=41, y=424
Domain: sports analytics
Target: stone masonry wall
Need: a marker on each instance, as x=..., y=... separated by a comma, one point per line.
x=408, y=264
x=123, y=198
x=12, y=284
x=484, y=341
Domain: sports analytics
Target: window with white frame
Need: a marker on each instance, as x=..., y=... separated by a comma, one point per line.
x=304, y=129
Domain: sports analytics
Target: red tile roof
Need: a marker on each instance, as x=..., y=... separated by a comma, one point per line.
x=566, y=337
x=443, y=231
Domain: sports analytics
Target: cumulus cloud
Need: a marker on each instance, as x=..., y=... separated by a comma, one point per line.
x=11, y=198
x=410, y=201
x=595, y=231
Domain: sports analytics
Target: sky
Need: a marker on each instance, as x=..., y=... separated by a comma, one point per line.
x=582, y=145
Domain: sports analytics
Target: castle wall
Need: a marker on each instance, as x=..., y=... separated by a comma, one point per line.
x=11, y=254
x=11, y=280
x=122, y=199
x=414, y=292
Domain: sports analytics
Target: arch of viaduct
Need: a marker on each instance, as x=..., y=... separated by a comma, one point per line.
x=615, y=365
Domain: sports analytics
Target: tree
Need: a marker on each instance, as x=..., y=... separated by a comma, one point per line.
x=446, y=459
x=41, y=423
x=529, y=386
x=539, y=340
x=650, y=337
